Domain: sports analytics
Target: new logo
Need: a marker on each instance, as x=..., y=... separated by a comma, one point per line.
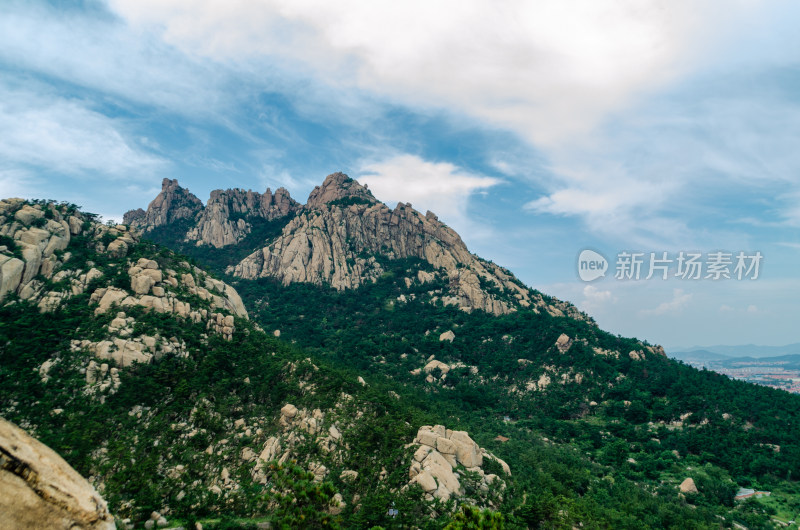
x=591, y=265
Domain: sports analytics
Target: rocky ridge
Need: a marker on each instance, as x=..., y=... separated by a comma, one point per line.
x=172, y=204
x=225, y=220
x=336, y=239
x=33, y=250
x=333, y=240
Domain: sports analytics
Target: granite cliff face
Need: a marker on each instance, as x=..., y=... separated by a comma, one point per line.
x=227, y=218
x=172, y=204
x=336, y=239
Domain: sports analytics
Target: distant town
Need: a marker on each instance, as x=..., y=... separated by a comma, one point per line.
x=781, y=372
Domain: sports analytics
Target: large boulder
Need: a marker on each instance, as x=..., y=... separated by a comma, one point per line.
x=563, y=343
x=467, y=451
x=688, y=486
x=40, y=490
x=10, y=274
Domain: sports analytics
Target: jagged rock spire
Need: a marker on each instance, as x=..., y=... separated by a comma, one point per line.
x=172, y=204
x=338, y=186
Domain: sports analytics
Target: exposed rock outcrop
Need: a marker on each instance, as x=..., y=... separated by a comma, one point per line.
x=227, y=217
x=342, y=223
x=440, y=453
x=38, y=489
x=37, y=264
x=563, y=343
x=37, y=238
x=688, y=486
x=335, y=238
x=339, y=187
x=172, y=204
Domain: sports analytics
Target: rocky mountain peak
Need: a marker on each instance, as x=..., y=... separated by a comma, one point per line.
x=339, y=238
x=338, y=186
x=229, y=214
x=172, y=204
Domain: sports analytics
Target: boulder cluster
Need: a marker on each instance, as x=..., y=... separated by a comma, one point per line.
x=35, y=239
x=439, y=458
x=163, y=291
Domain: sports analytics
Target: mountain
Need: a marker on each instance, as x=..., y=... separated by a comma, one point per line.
x=314, y=395
x=745, y=350
x=146, y=373
x=698, y=356
x=335, y=239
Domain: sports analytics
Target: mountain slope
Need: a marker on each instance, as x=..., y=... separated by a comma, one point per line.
x=374, y=398
x=148, y=377
x=336, y=239
x=504, y=371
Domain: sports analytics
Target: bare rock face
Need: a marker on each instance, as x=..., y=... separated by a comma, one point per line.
x=338, y=187
x=224, y=219
x=172, y=204
x=563, y=343
x=326, y=242
x=38, y=489
x=439, y=452
x=135, y=217
x=334, y=240
x=40, y=234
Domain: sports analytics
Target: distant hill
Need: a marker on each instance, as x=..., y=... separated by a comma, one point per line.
x=745, y=350
x=786, y=361
x=699, y=356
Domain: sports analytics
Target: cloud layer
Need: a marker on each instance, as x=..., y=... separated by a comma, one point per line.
x=440, y=187
x=548, y=70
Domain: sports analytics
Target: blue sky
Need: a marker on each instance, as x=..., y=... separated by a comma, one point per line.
x=536, y=129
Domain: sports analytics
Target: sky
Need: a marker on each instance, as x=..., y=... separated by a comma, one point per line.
x=535, y=129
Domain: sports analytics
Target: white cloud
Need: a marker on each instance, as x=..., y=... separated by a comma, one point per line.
x=560, y=73
x=439, y=187
x=99, y=52
x=17, y=183
x=679, y=301
x=61, y=135
x=595, y=300
x=548, y=70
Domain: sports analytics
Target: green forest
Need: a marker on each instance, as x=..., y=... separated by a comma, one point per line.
x=593, y=440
